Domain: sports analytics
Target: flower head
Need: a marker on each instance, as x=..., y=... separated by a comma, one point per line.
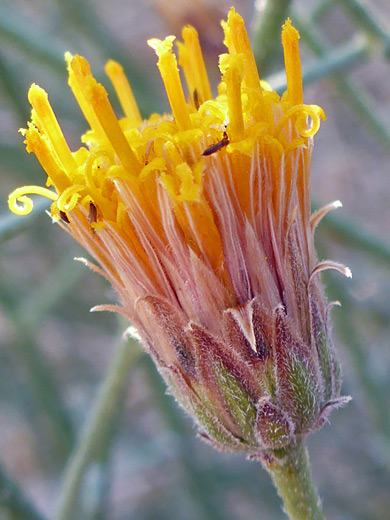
x=201, y=222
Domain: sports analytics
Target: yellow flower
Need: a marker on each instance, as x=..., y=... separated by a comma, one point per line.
x=201, y=222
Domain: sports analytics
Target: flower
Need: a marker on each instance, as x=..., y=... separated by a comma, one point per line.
x=201, y=222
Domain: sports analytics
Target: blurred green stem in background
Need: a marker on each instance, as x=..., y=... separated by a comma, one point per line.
x=367, y=21
x=343, y=58
x=10, y=85
x=83, y=17
x=26, y=320
x=354, y=96
x=291, y=472
x=42, y=382
x=22, y=35
x=269, y=18
x=99, y=426
x=372, y=388
x=346, y=56
x=376, y=399
x=11, y=224
x=44, y=48
x=50, y=293
x=353, y=234
x=14, y=505
x=321, y=9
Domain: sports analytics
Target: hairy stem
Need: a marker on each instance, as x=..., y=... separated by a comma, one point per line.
x=291, y=472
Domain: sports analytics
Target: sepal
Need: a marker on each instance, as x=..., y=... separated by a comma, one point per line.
x=274, y=429
x=298, y=382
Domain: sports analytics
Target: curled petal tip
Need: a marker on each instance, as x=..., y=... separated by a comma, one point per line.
x=330, y=264
x=316, y=217
x=334, y=304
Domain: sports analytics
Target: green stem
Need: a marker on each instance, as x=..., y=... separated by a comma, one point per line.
x=321, y=9
x=22, y=35
x=13, y=502
x=367, y=21
x=83, y=16
x=11, y=85
x=291, y=473
x=98, y=427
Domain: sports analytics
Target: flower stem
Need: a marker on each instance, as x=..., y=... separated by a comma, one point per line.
x=291, y=472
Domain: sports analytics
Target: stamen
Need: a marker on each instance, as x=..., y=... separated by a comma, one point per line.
x=232, y=68
x=189, y=188
x=86, y=109
x=169, y=71
x=171, y=154
x=238, y=42
x=40, y=146
x=123, y=90
x=49, y=126
x=292, y=61
x=192, y=62
x=19, y=203
x=302, y=112
x=97, y=96
x=69, y=198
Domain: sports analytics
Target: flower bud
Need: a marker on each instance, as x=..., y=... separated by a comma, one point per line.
x=201, y=222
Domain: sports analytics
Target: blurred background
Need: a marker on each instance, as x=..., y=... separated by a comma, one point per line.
x=139, y=458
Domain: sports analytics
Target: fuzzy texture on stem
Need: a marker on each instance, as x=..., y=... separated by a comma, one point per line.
x=291, y=473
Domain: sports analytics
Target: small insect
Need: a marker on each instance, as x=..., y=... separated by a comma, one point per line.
x=196, y=99
x=64, y=217
x=92, y=217
x=217, y=146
